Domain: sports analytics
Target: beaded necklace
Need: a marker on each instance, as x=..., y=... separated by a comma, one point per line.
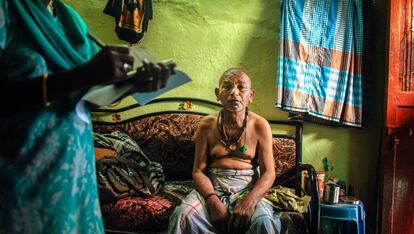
x=231, y=144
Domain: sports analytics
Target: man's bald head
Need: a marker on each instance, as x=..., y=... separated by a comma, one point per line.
x=235, y=90
x=234, y=72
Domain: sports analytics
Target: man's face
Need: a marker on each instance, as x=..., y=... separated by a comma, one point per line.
x=235, y=91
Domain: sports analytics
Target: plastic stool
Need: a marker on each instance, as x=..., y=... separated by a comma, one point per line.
x=345, y=212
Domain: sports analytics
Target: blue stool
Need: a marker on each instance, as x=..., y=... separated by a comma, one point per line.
x=345, y=212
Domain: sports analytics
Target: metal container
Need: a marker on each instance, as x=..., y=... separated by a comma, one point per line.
x=331, y=193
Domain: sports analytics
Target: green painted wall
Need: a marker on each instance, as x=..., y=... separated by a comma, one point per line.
x=206, y=37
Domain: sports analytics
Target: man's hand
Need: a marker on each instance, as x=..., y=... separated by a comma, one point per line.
x=240, y=217
x=218, y=212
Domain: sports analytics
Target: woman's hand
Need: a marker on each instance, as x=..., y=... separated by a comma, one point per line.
x=218, y=212
x=111, y=64
x=152, y=76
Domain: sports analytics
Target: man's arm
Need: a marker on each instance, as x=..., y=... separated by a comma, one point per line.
x=240, y=218
x=201, y=181
x=217, y=210
x=266, y=162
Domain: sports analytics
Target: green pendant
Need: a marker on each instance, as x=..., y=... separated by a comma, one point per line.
x=243, y=148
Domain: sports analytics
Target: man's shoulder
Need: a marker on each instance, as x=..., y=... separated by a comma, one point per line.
x=258, y=119
x=260, y=124
x=208, y=122
x=211, y=118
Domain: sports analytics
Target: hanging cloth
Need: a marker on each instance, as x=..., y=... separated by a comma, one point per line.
x=320, y=61
x=131, y=18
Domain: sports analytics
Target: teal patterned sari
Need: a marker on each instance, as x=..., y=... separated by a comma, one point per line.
x=47, y=169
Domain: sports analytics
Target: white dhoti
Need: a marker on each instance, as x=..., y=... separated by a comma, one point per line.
x=230, y=185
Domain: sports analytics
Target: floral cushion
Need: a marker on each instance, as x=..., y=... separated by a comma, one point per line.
x=137, y=213
x=284, y=154
x=148, y=214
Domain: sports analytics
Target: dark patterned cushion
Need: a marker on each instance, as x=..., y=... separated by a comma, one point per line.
x=148, y=214
x=136, y=213
x=167, y=139
x=284, y=154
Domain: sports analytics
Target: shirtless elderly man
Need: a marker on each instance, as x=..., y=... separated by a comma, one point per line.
x=233, y=167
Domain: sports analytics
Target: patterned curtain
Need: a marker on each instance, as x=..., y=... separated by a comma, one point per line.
x=320, y=62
